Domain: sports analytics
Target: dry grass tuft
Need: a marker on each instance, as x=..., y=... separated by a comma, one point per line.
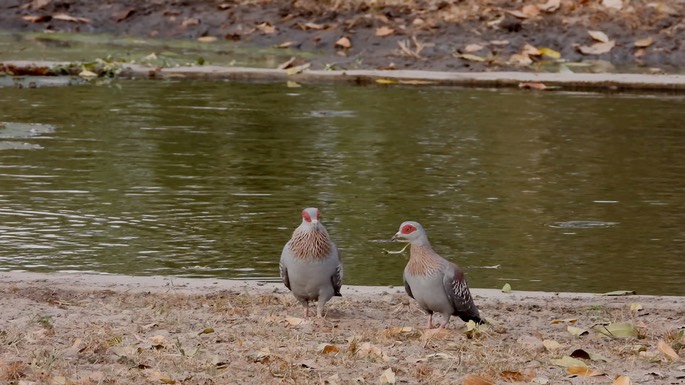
x=12, y=371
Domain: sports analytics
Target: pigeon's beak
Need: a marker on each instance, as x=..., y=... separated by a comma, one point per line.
x=395, y=237
x=315, y=221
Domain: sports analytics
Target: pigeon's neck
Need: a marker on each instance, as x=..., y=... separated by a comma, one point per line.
x=310, y=243
x=423, y=260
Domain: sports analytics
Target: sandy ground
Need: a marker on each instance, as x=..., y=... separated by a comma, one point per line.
x=466, y=35
x=101, y=329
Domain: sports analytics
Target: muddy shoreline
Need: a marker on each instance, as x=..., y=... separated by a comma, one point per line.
x=465, y=36
x=534, y=81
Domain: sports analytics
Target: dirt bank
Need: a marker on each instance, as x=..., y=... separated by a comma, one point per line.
x=86, y=329
x=468, y=35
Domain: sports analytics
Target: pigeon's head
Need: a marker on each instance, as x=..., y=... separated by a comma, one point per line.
x=411, y=232
x=310, y=216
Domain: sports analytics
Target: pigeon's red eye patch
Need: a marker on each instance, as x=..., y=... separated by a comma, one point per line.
x=407, y=229
x=306, y=216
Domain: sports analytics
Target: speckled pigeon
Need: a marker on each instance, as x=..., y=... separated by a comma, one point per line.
x=310, y=263
x=437, y=284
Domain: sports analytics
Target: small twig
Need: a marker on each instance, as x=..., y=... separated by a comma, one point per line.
x=444, y=374
x=406, y=50
x=419, y=46
x=396, y=252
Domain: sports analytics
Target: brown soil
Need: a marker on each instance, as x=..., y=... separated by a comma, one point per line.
x=82, y=329
x=648, y=35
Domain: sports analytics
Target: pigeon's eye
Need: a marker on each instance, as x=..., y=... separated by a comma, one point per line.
x=306, y=216
x=408, y=229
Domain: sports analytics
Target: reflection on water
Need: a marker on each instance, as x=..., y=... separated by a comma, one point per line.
x=565, y=192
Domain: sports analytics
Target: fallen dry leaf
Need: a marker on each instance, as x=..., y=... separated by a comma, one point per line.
x=568, y=362
x=325, y=348
x=526, y=12
x=38, y=4
x=266, y=28
x=388, y=377
x=294, y=321
x=582, y=353
x=123, y=15
x=37, y=19
x=471, y=57
x=400, y=329
x=520, y=60
x=437, y=334
x=297, y=69
x=472, y=379
x=381, y=17
x=191, y=21
x=530, y=50
x=532, y=86
x=644, y=43
x=621, y=380
x=667, y=350
x=157, y=375
x=617, y=330
x=550, y=6
x=369, y=350
x=664, y=8
x=578, y=332
x=619, y=293
x=615, y=4
x=500, y=43
x=514, y=376
x=583, y=371
x=549, y=53
x=262, y=355
x=518, y=14
x=287, y=64
x=207, y=39
x=530, y=10
x=158, y=341
x=473, y=48
x=597, y=48
x=551, y=344
x=333, y=379
x=314, y=26
x=565, y=320
x=384, y=31
x=599, y=36
x=343, y=42
x=386, y=81
x=285, y=44
x=65, y=17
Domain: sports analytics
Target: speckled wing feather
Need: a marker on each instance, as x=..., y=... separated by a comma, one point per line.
x=337, y=277
x=459, y=295
x=283, y=269
x=407, y=288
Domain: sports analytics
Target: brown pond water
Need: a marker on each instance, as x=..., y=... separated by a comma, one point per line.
x=562, y=191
